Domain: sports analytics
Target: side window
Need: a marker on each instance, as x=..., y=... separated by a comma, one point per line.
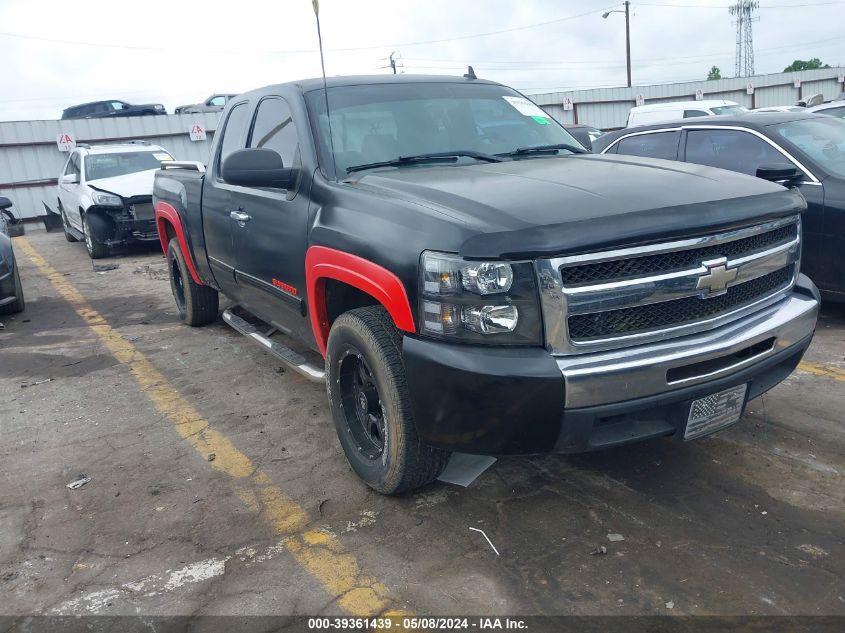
x=730, y=149
x=656, y=145
x=274, y=129
x=688, y=114
x=73, y=165
x=233, y=133
x=219, y=100
x=118, y=105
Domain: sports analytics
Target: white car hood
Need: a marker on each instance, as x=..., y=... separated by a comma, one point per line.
x=138, y=184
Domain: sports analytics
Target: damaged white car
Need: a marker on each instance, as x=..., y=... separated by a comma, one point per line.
x=105, y=194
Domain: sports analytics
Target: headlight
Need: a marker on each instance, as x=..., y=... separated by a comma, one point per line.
x=491, y=302
x=103, y=199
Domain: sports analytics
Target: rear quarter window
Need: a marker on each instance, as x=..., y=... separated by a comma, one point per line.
x=233, y=133
x=653, y=145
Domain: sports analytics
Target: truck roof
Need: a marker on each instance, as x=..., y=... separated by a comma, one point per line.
x=316, y=83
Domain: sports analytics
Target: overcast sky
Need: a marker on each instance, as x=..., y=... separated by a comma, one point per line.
x=56, y=54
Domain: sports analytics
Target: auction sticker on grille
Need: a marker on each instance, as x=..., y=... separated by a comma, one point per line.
x=715, y=412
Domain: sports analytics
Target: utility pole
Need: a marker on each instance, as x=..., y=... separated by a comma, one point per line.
x=628, y=38
x=627, y=13
x=392, y=62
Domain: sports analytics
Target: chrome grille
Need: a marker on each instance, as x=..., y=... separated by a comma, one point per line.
x=677, y=312
x=628, y=296
x=620, y=269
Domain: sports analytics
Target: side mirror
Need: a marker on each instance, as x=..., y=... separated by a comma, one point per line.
x=778, y=172
x=69, y=179
x=5, y=203
x=257, y=167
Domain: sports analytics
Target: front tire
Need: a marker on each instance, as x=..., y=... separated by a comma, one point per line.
x=198, y=305
x=18, y=304
x=371, y=404
x=95, y=248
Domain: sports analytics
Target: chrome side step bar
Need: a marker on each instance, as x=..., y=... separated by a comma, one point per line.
x=290, y=358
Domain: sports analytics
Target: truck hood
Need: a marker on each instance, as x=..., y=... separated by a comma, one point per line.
x=544, y=206
x=138, y=184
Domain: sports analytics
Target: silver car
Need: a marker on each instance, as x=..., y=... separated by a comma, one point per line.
x=214, y=103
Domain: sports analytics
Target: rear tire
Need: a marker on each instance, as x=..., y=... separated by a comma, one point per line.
x=18, y=304
x=371, y=404
x=66, y=225
x=198, y=305
x=95, y=248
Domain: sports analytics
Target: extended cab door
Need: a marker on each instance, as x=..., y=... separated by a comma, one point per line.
x=218, y=202
x=270, y=237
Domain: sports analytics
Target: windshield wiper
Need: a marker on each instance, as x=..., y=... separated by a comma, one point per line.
x=432, y=157
x=545, y=149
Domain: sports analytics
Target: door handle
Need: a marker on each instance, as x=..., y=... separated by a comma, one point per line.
x=240, y=216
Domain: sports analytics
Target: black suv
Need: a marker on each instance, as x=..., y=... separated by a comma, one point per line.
x=108, y=109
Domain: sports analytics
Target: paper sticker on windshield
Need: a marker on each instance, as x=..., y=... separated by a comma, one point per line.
x=162, y=156
x=524, y=106
x=541, y=120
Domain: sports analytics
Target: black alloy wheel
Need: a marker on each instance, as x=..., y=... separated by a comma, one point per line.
x=177, y=285
x=362, y=406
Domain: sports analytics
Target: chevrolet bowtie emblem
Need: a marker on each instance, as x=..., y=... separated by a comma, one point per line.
x=715, y=281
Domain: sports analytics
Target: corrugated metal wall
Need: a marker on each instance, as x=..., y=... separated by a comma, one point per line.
x=607, y=108
x=30, y=160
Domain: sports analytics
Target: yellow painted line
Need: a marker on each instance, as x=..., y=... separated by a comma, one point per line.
x=319, y=553
x=822, y=370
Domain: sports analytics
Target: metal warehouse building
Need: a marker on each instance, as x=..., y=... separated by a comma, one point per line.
x=30, y=159
x=607, y=108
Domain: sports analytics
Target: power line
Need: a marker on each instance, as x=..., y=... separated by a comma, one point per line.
x=309, y=50
x=726, y=6
x=574, y=64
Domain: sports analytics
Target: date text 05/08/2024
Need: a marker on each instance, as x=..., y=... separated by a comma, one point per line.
x=415, y=623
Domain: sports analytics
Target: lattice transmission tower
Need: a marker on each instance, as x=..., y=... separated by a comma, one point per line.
x=743, y=11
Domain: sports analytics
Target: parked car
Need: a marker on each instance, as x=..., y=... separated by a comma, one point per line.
x=834, y=108
x=107, y=109
x=466, y=277
x=808, y=148
x=584, y=134
x=788, y=108
x=660, y=112
x=104, y=194
x=11, y=289
x=214, y=103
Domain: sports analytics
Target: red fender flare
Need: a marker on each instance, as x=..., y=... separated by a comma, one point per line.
x=165, y=213
x=323, y=263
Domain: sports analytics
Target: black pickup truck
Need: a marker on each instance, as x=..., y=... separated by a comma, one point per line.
x=466, y=277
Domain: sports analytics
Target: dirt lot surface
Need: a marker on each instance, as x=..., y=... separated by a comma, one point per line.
x=218, y=485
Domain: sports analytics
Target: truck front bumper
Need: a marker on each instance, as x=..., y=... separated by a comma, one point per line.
x=498, y=400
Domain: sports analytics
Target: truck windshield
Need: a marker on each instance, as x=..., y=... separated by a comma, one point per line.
x=121, y=163
x=821, y=139
x=380, y=122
